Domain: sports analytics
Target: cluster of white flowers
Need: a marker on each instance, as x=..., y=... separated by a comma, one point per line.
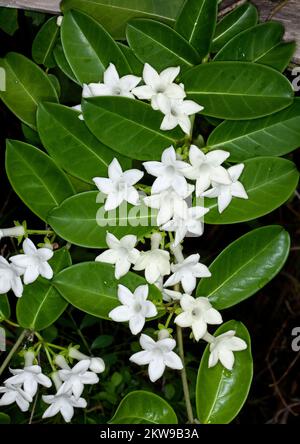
x=30, y=265
x=169, y=193
x=159, y=89
x=69, y=382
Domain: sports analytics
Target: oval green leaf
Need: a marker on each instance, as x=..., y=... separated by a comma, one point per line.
x=63, y=63
x=4, y=418
x=72, y=146
x=220, y=393
x=253, y=44
x=246, y=266
x=143, y=407
x=4, y=307
x=159, y=45
x=114, y=14
x=131, y=127
x=197, y=22
x=273, y=135
x=26, y=86
x=93, y=288
x=241, y=18
x=89, y=49
x=44, y=43
x=280, y=56
x=35, y=178
x=75, y=220
x=238, y=90
x=269, y=182
x=41, y=304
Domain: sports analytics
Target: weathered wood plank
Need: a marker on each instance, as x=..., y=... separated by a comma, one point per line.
x=289, y=14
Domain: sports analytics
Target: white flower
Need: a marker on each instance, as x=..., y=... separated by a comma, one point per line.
x=119, y=186
x=225, y=193
x=78, y=108
x=112, y=85
x=177, y=112
x=171, y=295
x=156, y=84
x=155, y=262
x=64, y=403
x=59, y=20
x=135, y=308
x=158, y=355
x=168, y=203
x=186, y=272
x=12, y=232
x=169, y=173
x=222, y=348
x=76, y=378
x=97, y=365
x=10, y=278
x=121, y=253
x=15, y=394
x=29, y=377
x=34, y=262
x=197, y=313
x=190, y=221
x=206, y=168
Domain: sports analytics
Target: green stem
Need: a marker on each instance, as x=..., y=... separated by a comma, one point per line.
x=184, y=380
x=169, y=319
x=46, y=232
x=13, y=324
x=49, y=358
x=13, y=351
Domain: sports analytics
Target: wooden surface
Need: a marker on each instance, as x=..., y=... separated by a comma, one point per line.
x=289, y=13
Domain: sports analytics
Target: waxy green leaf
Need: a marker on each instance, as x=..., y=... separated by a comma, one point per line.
x=45, y=42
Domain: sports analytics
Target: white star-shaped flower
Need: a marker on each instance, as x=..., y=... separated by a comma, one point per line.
x=122, y=253
x=155, y=262
x=168, y=203
x=119, y=185
x=225, y=193
x=168, y=173
x=158, y=355
x=222, y=348
x=190, y=221
x=186, y=272
x=12, y=393
x=156, y=84
x=34, y=262
x=77, y=377
x=206, y=168
x=197, y=313
x=97, y=365
x=30, y=377
x=10, y=278
x=135, y=308
x=62, y=402
x=113, y=85
x=177, y=112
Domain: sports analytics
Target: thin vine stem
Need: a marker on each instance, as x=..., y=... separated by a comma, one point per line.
x=13, y=351
x=185, y=386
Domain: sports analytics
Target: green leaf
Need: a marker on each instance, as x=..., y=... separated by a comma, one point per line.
x=26, y=86
x=274, y=135
x=197, y=22
x=9, y=20
x=253, y=44
x=31, y=136
x=238, y=90
x=41, y=304
x=35, y=178
x=280, y=56
x=220, y=393
x=114, y=14
x=75, y=220
x=4, y=307
x=131, y=127
x=238, y=20
x=63, y=63
x=93, y=288
x=89, y=49
x=141, y=407
x=44, y=43
x=135, y=64
x=4, y=419
x=268, y=181
x=72, y=146
x=246, y=266
x=102, y=342
x=159, y=45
